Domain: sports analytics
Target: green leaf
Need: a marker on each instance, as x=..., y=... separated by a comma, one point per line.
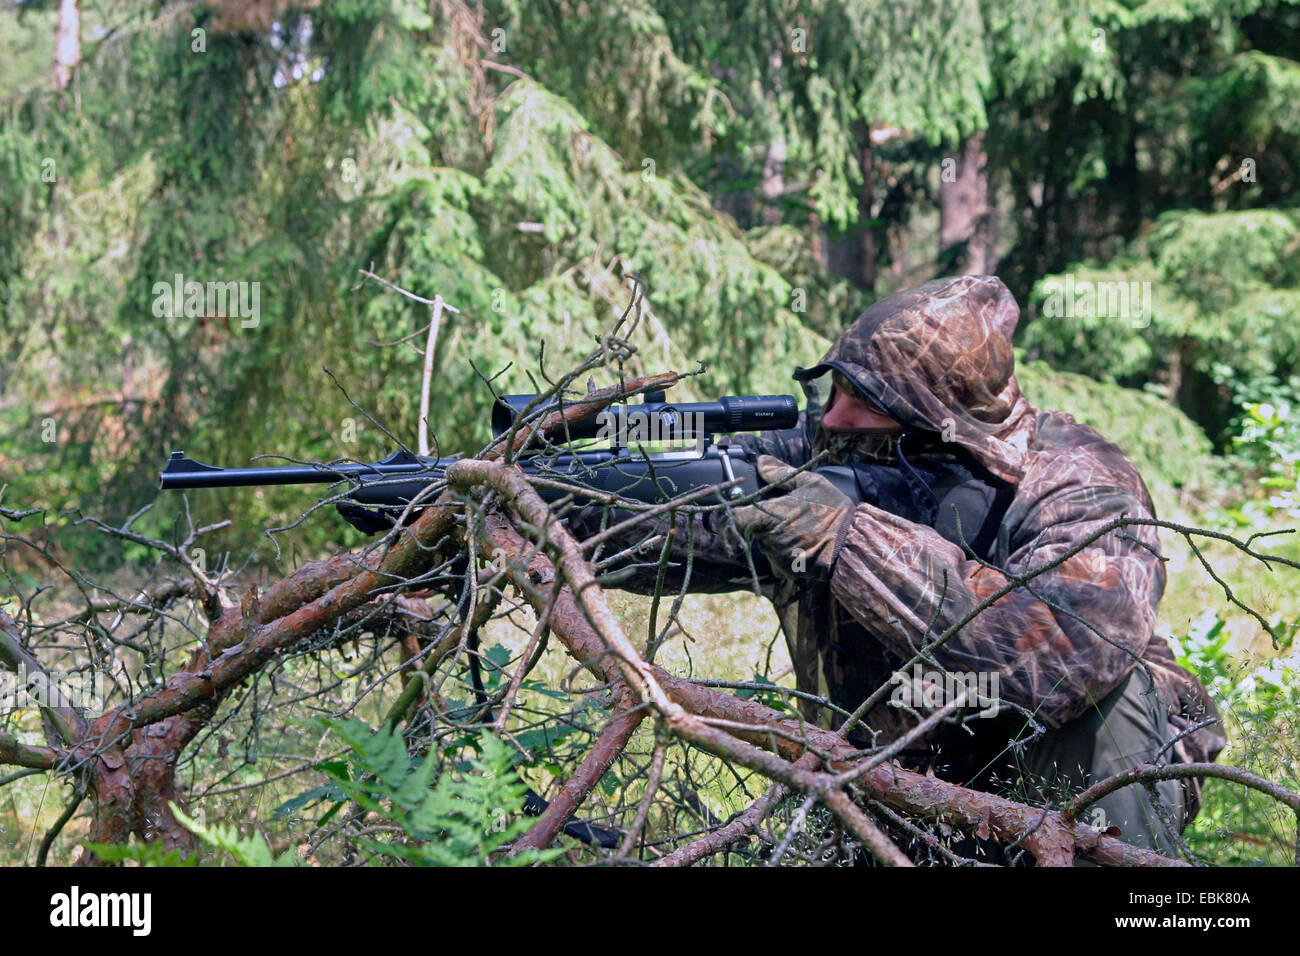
x=251, y=850
x=294, y=804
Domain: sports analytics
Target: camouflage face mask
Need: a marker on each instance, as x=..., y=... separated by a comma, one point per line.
x=845, y=447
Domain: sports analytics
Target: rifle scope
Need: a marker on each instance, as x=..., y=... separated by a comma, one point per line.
x=660, y=420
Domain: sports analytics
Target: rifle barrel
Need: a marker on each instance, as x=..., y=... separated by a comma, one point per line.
x=182, y=472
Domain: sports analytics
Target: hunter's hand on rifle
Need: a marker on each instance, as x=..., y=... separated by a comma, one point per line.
x=802, y=529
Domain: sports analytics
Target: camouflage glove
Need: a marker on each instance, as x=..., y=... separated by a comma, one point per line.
x=802, y=529
x=364, y=519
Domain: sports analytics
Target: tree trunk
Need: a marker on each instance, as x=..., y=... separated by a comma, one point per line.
x=867, y=240
x=967, y=228
x=852, y=254
x=772, y=187
x=67, y=43
x=773, y=184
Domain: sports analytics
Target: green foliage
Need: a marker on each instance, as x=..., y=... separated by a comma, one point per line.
x=931, y=66
x=1263, y=693
x=1117, y=348
x=1258, y=701
x=1266, y=434
x=145, y=854
x=1214, y=259
x=26, y=46
x=1039, y=45
x=1224, y=306
x=456, y=815
x=251, y=850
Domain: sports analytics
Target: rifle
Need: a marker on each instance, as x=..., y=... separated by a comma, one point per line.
x=391, y=484
x=382, y=490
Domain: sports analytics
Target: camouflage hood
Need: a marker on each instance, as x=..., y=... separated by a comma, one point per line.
x=938, y=358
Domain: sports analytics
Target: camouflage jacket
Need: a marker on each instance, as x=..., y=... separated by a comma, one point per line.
x=939, y=360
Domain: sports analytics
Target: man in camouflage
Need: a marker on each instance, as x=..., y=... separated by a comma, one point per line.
x=992, y=488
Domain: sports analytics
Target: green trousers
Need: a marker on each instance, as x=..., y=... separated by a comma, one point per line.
x=1122, y=730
